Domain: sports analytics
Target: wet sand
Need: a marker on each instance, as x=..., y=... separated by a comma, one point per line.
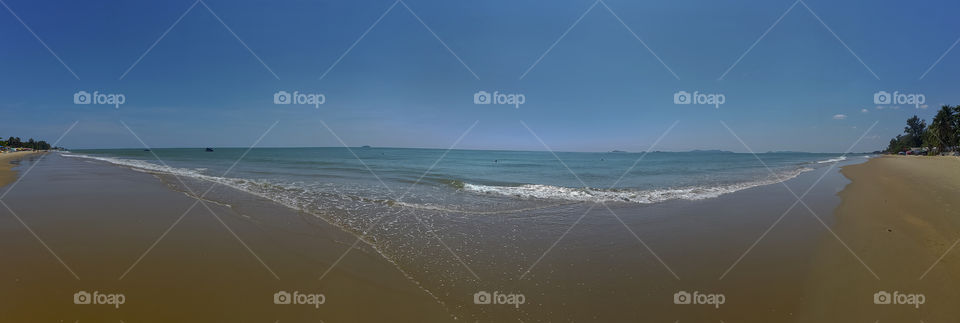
x=100, y=218
x=900, y=215
x=7, y=175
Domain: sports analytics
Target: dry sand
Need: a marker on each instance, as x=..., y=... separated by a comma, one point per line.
x=900, y=216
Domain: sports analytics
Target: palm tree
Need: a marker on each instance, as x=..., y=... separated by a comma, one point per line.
x=941, y=132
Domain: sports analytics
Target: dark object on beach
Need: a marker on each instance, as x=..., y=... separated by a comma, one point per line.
x=209, y=149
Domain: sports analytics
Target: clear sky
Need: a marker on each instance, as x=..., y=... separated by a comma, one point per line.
x=599, y=88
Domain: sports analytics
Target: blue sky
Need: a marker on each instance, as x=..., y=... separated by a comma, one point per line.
x=597, y=89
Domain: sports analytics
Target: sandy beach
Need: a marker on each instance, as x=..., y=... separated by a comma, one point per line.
x=7, y=175
x=99, y=220
x=895, y=213
x=900, y=217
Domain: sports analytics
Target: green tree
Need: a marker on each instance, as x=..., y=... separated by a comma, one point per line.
x=914, y=131
x=941, y=132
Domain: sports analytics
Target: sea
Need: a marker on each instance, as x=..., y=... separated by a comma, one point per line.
x=465, y=180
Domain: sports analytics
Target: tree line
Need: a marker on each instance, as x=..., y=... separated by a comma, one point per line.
x=16, y=142
x=941, y=135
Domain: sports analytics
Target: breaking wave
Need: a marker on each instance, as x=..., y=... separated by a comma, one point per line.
x=539, y=191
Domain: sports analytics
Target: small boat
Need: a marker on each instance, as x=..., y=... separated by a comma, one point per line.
x=365, y=146
x=146, y=150
x=209, y=149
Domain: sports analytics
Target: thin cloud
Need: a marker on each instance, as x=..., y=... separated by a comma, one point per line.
x=839, y=116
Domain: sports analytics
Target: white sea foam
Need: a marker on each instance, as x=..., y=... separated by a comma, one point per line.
x=832, y=160
x=539, y=191
x=299, y=198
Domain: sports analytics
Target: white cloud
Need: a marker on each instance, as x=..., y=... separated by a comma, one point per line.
x=864, y=110
x=839, y=116
x=880, y=107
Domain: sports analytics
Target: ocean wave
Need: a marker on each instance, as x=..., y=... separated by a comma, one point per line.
x=539, y=191
x=832, y=160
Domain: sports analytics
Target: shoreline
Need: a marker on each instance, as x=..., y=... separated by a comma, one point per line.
x=7, y=174
x=900, y=216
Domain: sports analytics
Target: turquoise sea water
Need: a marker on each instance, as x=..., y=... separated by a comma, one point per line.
x=469, y=179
